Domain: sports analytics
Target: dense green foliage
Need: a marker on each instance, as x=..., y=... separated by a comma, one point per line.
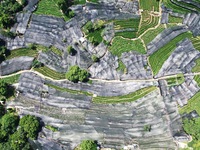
x=93, y=31
x=76, y=74
x=19, y=140
x=3, y=88
x=8, y=9
x=88, y=145
x=30, y=125
x=9, y=123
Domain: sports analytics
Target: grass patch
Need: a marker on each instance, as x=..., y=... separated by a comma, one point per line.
x=173, y=19
x=50, y=73
x=193, y=104
x=11, y=80
x=69, y=90
x=196, y=42
x=197, y=79
x=179, y=79
x=126, y=98
x=121, y=67
x=22, y=52
x=121, y=45
x=148, y=21
x=196, y=68
x=52, y=128
x=149, y=5
x=151, y=34
x=50, y=7
x=158, y=58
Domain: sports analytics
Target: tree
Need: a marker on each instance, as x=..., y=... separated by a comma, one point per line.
x=95, y=58
x=30, y=125
x=76, y=74
x=18, y=140
x=71, y=50
x=3, y=88
x=9, y=123
x=2, y=53
x=88, y=145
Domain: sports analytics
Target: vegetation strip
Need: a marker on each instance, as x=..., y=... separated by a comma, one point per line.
x=158, y=58
x=121, y=45
x=11, y=80
x=125, y=98
x=193, y=104
x=50, y=73
x=69, y=90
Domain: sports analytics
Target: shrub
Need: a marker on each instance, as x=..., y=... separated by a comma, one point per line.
x=95, y=58
x=71, y=51
x=3, y=88
x=76, y=74
x=30, y=125
x=9, y=123
x=88, y=145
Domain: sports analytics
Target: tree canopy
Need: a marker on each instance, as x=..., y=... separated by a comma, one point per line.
x=9, y=123
x=30, y=125
x=3, y=88
x=76, y=74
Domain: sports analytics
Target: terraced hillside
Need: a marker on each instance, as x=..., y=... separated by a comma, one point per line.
x=136, y=80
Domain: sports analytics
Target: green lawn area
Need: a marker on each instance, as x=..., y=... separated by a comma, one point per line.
x=176, y=80
x=197, y=79
x=151, y=34
x=69, y=90
x=196, y=68
x=196, y=42
x=149, y=5
x=50, y=7
x=52, y=128
x=126, y=98
x=11, y=80
x=173, y=19
x=175, y=8
x=158, y=58
x=121, y=45
x=50, y=73
x=22, y=52
x=193, y=104
x=148, y=21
